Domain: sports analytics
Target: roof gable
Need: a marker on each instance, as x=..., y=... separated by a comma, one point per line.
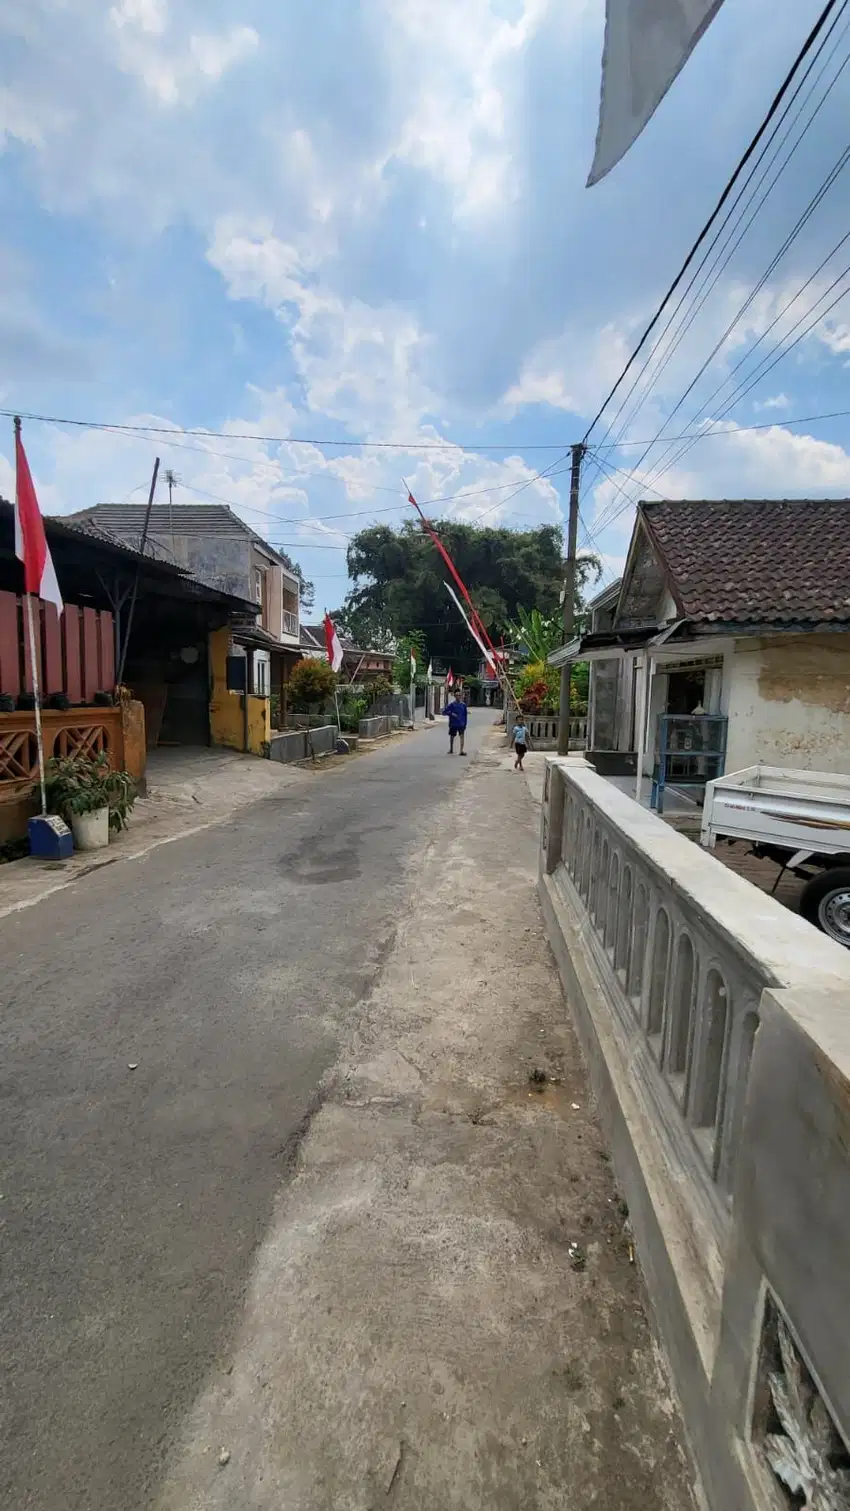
x=784, y=561
x=127, y=522
x=644, y=583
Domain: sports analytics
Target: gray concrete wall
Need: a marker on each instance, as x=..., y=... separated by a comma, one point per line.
x=302, y=744
x=378, y=728
x=221, y=560
x=740, y=1214
x=397, y=704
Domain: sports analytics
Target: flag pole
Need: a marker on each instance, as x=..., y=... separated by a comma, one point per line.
x=37, y=702
x=36, y=692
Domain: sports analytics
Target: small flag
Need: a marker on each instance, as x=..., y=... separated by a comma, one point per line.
x=412, y=664
x=30, y=539
x=450, y=679
x=430, y=672
x=332, y=641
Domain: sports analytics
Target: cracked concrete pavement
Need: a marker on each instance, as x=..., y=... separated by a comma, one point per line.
x=444, y=1312
x=304, y=1204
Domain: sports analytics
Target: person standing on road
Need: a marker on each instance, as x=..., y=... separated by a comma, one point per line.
x=520, y=739
x=458, y=715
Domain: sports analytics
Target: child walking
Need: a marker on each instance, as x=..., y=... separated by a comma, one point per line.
x=520, y=739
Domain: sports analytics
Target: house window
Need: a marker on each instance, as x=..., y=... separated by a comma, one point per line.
x=262, y=681
x=261, y=595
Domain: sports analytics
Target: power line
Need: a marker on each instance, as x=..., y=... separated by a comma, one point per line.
x=724, y=256
x=748, y=153
x=816, y=199
x=702, y=435
x=282, y=440
x=761, y=371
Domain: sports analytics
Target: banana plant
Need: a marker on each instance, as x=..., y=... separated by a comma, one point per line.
x=537, y=633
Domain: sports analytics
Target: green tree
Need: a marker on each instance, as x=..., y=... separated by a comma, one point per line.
x=414, y=640
x=307, y=592
x=399, y=575
x=312, y=682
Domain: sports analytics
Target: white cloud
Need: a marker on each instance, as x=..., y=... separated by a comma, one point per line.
x=172, y=67
x=571, y=371
x=358, y=363
x=460, y=67
x=26, y=120
x=148, y=15
x=773, y=463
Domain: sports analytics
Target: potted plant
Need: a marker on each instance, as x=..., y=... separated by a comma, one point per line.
x=89, y=796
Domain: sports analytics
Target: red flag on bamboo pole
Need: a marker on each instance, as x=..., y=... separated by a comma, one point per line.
x=30, y=540
x=476, y=620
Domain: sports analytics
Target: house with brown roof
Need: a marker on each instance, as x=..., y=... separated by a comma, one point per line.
x=358, y=664
x=734, y=614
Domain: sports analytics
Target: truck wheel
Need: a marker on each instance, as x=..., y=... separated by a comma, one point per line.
x=826, y=903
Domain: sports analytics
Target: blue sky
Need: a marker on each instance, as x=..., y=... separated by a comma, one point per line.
x=375, y=228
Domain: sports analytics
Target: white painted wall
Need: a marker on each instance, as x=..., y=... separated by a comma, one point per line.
x=789, y=702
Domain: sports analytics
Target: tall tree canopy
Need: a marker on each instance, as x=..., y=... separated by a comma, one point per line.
x=399, y=575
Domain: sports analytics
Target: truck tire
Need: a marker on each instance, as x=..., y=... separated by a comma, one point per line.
x=826, y=903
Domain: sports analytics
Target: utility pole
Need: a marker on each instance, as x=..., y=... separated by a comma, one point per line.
x=171, y=478
x=143, y=542
x=577, y=453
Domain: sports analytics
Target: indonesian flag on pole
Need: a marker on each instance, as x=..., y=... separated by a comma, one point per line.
x=30, y=539
x=332, y=641
x=412, y=664
x=450, y=679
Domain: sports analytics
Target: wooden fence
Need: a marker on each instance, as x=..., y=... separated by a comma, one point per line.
x=75, y=652
x=74, y=731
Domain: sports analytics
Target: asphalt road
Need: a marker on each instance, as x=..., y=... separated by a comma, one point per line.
x=221, y=966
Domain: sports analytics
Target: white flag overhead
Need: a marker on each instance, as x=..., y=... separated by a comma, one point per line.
x=647, y=43
x=488, y=656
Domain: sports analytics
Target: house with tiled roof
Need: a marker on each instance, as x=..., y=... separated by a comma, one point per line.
x=358, y=664
x=212, y=543
x=733, y=615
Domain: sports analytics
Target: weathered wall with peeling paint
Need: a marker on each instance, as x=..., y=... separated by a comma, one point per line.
x=789, y=702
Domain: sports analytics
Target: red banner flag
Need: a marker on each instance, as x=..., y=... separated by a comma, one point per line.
x=30, y=539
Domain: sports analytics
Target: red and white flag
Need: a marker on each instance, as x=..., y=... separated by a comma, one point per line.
x=30, y=539
x=333, y=643
x=450, y=679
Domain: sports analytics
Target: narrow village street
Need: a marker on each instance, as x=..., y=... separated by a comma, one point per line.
x=285, y=1219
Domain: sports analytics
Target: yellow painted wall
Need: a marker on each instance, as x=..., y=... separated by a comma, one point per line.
x=227, y=718
x=259, y=724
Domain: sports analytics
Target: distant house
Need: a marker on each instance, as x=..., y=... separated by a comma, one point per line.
x=358, y=665
x=737, y=609
x=217, y=547
x=167, y=651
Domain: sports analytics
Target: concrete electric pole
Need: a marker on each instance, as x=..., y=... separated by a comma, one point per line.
x=577, y=453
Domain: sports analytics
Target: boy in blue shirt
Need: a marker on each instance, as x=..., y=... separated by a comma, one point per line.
x=520, y=739
x=457, y=714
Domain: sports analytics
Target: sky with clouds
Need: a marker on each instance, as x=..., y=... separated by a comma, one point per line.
x=367, y=221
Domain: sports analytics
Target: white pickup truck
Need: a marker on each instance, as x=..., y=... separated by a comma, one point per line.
x=801, y=820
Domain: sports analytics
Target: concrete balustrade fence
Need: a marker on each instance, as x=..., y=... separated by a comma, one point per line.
x=716, y=1025
x=543, y=729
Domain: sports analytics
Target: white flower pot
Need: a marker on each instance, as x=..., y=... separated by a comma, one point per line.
x=91, y=830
